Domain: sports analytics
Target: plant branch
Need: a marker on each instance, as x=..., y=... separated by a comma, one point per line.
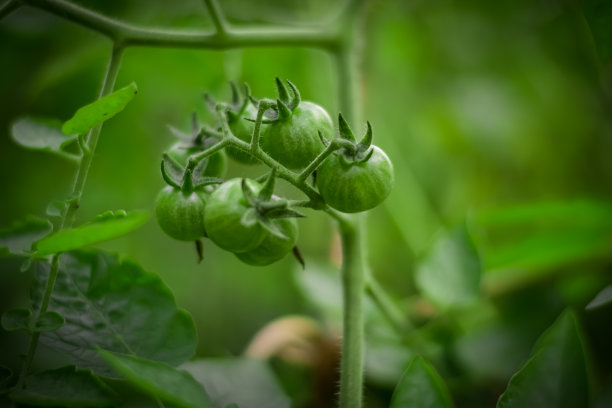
x=217, y=16
x=131, y=35
x=386, y=305
x=66, y=221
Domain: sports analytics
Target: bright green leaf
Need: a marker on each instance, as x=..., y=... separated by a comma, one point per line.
x=65, y=387
x=555, y=376
x=16, y=319
x=101, y=229
x=450, y=274
x=421, y=387
x=97, y=112
x=48, y=321
x=161, y=380
x=113, y=305
x=42, y=134
x=250, y=383
x=598, y=14
x=603, y=298
x=19, y=237
x=57, y=208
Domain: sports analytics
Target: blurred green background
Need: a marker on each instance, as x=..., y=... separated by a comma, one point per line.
x=482, y=106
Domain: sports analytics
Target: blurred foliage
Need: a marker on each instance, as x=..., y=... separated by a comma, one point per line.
x=496, y=116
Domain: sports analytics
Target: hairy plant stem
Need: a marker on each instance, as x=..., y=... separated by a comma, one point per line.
x=68, y=218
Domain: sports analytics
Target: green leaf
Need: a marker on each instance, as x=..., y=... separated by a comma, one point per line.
x=250, y=383
x=57, y=208
x=16, y=319
x=42, y=134
x=65, y=387
x=421, y=387
x=603, y=298
x=47, y=322
x=105, y=227
x=556, y=373
x=450, y=273
x=19, y=237
x=116, y=306
x=97, y=112
x=171, y=385
x=598, y=14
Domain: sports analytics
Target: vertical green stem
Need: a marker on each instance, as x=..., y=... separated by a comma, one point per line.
x=77, y=190
x=351, y=374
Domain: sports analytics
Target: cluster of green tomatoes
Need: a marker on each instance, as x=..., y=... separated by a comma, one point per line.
x=297, y=140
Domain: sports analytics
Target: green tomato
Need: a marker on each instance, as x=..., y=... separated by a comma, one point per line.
x=294, y=141
x=180, y=214
x=243, y=130
x=180, y=152
x=351, y=186
x=273, y=248
x=224, y=211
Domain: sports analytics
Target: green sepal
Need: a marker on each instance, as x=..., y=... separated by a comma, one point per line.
x=195, y=126
x=284, y=213
x=367, y=156
x=345, y=129
x=248, y=193
x=200, y=181
x=297, y=98
x=283, y=95
x=187, y=186
x=249, y=218
x=271, y=227
x=284, y=113
x=211, y=104
x=268, y=188
x=297, y=254
x=235, y=94
x=179, y=134
x=16, y=319
x=171, y=171
x=366, y=142
x=323, y=139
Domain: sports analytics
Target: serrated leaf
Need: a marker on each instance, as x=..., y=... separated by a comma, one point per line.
x=16, y=319
x=421, y=387
x=47, y=322
x=100, y=230
x=598, y=14
x=249, y=383
x=171, y=385
x=450, y=273
x=556, y=374
x=97, y=112
x=19, y=237
x=603, y=298
x=116, y=306
x=42, y=134
x=65, y=387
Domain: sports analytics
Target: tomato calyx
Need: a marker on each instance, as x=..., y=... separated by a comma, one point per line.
x=234, y=110
x=351, y=152
x=265, y=207
x=184, y=178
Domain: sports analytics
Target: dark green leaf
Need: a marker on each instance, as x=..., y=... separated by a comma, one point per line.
x=47, y=322
x=249, y=383
x=42, y=134
x=450, y=274
x=113, y=305
x=16, y=319
x=19, y=237
x=556, y=374
x=603, y=298
x=598, y=14
x=97, y=112
x=100, y=230
x=169, y=384
x=65, y=387
x=421, y=387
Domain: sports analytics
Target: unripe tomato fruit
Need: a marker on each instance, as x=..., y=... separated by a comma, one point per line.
x=243, y=130
x=294, y=141
x=273, y=248
x=353, y=186
x=181, y=215
x=216, y=162
x=225, y=208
